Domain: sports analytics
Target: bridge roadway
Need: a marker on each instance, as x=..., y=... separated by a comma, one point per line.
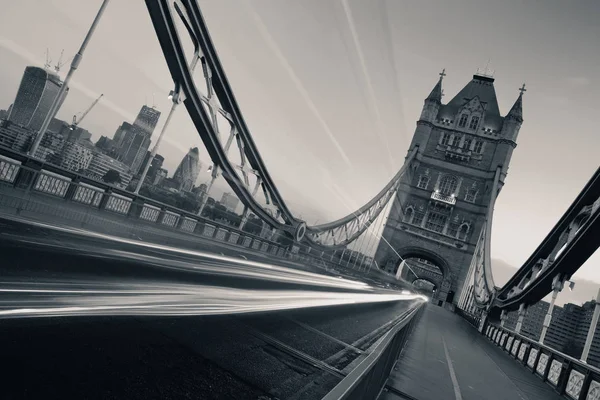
x=297, y=354
x=446, y=358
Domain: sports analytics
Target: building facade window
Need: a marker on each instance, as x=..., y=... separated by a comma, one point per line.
x=452, y=229
x=436, y=222
x=478, y=147
x=418, y=216
x=444, y=139
x=463, y=232
x=423, y=182
x=467, y=144
x=471, y=195
x=462, y=122
x=448, y=185
x=455, y=141
x=474, y=122
x=408, y=216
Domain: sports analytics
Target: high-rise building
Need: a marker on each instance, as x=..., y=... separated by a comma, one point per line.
x=230, y=201
x=37, y=92
x=133, y=141
x=102, y=163
x=133, y=144
x=155, y=166
x=147, y=119
x=440, y=208
x=568, y=328
x=187, y=171
x=161, y=175
x=75, y=157
x=15, y=137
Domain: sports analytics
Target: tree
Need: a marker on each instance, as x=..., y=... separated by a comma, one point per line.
x=112, y=176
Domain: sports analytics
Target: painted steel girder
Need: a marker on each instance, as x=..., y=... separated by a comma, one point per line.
x=163, y=14
x=567, y=247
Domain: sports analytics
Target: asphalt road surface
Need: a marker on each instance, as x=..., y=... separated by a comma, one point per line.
x=298, y=353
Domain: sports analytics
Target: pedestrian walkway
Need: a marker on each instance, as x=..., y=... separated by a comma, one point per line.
x=447, y=359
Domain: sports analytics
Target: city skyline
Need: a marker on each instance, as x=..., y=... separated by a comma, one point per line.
x=540, y=156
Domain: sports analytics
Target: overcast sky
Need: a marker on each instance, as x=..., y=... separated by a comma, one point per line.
x=331, y=90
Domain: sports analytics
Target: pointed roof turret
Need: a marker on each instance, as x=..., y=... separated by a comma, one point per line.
x=436, y=93
x=516, y=112
x=481, y=86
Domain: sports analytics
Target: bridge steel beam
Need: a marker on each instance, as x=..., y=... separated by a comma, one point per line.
x=334, y=235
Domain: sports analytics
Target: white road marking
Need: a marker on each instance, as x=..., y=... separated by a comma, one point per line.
x=457, y=393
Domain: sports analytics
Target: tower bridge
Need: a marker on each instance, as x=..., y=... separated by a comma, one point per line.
x=437, y=235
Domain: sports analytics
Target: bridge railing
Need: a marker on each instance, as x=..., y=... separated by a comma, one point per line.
x=368, y=379
x=568, y=376
x=31, y=188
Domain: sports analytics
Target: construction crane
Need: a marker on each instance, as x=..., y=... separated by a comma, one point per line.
x=77, y=122
x=60, y=62
x=48, y=60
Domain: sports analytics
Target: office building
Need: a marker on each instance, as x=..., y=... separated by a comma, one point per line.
x=187, y=172
x=133, y=140
x=102, y=163
x=37, y=92
x=230, y=201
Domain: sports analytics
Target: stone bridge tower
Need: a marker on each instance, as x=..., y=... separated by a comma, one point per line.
x=440, y=207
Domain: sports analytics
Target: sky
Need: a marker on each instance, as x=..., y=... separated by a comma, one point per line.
x=331, y=90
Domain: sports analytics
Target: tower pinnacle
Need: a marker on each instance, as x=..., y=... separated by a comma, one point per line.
x=516, y=112
x=436, y=93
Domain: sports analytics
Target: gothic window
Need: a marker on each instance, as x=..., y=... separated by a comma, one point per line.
x=471, y=195
x=467, y=144
x=436, y=221
x=462, y=122
x=463, y=232
x=474, y=122
x=452, y=229
x=444, y=139
x=408, y=216
x=455, y=141
x=448, y=185
x=423, y=182
x=478, y=147
x=418, y=216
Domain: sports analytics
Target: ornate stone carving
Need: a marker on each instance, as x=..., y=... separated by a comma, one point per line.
x=509, y=343
x=574, y=384
x=522, y=351
x=554, y=373
x=515, y=347
x=532, y=356
x=594, y=391
x=542, y=364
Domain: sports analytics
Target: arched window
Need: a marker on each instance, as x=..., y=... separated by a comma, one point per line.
x=444, y=139
x=467, y=144
x=455, y=141
x=462, y=122
x=478, y=146
x=474, y=122
x=408, y=216
x=448, y=185
x=471, y=195
x=463, y=232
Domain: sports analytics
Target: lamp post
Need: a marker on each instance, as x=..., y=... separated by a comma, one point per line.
x=557, y=286
x=61, y=92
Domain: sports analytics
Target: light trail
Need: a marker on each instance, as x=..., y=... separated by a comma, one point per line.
x=200, y=262
x=116, y=298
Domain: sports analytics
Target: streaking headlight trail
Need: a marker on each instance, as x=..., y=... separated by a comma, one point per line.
x=52, y=299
